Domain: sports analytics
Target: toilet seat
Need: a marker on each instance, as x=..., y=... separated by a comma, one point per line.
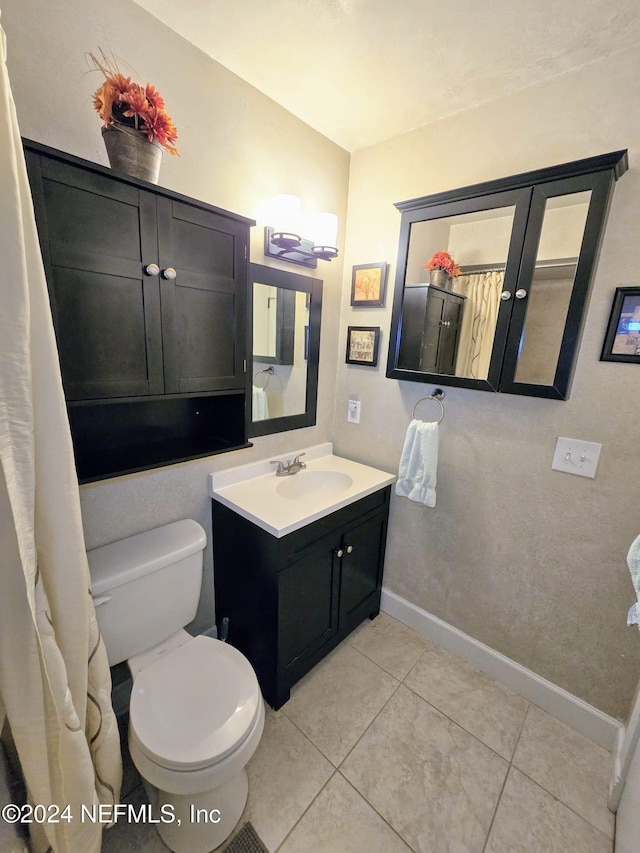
x=195, y=705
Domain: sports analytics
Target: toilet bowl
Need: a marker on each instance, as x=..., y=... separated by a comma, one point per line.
x=196, y=713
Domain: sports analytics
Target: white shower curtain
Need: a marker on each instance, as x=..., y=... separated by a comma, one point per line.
x=478, y=322
x=55, y=686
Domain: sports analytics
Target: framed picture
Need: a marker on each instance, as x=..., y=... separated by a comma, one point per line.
x=362, y=345
x=368, y=285
x=622, y=341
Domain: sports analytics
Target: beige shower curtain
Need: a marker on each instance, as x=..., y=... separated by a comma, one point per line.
x=55, y=687
x=478, y=322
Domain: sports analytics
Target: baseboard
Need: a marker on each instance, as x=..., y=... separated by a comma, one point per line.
x=569, y=709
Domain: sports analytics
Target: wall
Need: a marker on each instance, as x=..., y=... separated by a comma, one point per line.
x=237, y=147
x=526, y=560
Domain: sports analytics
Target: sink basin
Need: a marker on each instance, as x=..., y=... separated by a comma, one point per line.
x=314, y=483
x=281, y=505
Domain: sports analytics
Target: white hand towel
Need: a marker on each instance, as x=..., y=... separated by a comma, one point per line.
x=418, y=469
x=260, y=411
x=633, y=561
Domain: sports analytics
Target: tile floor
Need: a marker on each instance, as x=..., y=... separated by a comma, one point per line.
x=392, y=744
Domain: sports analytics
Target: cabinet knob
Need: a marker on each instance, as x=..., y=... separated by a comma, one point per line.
x=349, y=549
x=152, y=269
x=520, y=294
x=505, y=295
x=169, y=273
x=339, y=552
x=446, y=323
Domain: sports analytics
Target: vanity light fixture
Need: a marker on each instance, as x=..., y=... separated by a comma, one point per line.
x=284, y=241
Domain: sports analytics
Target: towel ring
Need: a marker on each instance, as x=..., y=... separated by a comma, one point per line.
x=267, y=372
x=437, y=395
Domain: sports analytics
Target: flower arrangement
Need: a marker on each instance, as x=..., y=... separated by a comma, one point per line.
x=118, y=101
x=443, y=261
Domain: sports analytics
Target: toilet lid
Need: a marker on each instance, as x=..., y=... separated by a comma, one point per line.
x=194, y=706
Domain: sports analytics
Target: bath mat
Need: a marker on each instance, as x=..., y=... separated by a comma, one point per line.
x=246, y=841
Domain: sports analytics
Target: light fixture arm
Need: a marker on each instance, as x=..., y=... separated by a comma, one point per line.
x=294, y=249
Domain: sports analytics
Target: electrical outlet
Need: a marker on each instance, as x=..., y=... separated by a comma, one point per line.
x=353, y=412
x=576, y=457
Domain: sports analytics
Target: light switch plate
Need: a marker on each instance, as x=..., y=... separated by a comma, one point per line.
x=353, y=413
x=576, y=457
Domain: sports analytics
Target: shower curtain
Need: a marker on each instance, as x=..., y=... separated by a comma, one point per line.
x=478, y=322
x=55, y=686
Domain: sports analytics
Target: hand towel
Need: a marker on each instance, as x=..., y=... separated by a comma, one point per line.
x=260, y=410
x=633, y=561
x=419, y=463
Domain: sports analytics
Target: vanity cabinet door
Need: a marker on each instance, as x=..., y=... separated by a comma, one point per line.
x=203, y=263
x=363, y=547
x=308, y=589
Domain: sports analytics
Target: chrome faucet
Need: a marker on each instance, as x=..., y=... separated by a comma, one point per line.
x=290, y=468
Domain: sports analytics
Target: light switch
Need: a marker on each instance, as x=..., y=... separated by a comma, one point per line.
x=576, y=457
x=353, y=413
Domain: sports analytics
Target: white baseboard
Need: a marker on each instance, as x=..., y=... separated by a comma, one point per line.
x=569, y=709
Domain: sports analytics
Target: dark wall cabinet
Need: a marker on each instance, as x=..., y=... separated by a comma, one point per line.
x=431, y=319
x=291, y=600
x=147, y=291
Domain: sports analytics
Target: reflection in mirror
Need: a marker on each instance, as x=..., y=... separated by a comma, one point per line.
x=451, y=330
x=548, y=300
x=285, y=318
x=280, y=321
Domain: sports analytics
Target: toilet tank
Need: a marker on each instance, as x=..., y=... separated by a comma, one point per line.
x=147, y=587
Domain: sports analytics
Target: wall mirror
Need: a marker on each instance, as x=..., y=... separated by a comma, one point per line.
x=526, y=247
x=284, y=324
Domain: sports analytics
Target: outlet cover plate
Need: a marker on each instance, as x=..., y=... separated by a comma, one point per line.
x=576, y=457
x=353, y=412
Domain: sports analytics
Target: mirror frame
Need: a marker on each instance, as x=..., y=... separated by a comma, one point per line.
x=527, y=191
x=261, y=274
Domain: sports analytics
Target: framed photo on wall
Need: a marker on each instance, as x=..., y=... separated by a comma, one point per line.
x=369, y=284
x=362, y=345
x=622, y=340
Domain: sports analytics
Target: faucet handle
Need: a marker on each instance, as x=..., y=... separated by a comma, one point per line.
x=297, y=461
x=277, y=462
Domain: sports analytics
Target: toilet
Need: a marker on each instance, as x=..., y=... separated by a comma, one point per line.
x=196, y=713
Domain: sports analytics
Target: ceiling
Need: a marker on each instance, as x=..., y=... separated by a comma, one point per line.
x=361, y=71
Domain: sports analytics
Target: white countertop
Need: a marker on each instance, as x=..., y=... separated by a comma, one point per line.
x=252, y=490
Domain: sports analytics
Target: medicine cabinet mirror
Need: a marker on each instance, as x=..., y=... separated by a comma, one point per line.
x=284, y=324
x=527, y=247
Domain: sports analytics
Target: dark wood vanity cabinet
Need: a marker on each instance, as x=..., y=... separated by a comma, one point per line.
x=291, y=600
x=147, y=291
x=431, y=319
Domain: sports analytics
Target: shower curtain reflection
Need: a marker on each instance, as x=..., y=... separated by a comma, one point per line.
x=479, y=322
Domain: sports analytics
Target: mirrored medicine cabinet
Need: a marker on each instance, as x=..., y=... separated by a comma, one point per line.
x=527, y=246
x=284, y=331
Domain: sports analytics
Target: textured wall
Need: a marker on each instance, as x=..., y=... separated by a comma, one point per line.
x=237, y=147
x=525, y=559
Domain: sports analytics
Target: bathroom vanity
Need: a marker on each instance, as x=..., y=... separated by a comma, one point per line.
x=297, y=576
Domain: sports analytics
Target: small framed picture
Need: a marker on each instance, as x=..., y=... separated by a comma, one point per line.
x=368, y=285
x=362, y=345
x=622, y=340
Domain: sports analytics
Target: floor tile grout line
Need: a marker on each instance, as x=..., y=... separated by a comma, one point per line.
x=381, y=816
x=335, y=770
x=375, y=717
x=495, y=811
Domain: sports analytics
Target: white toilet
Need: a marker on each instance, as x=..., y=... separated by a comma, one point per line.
x=196, y=713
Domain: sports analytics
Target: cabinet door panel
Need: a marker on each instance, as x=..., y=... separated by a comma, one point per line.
x=203, y=307
x=123, y=316
x=97, y=234
x=362, y=567
x=307, y=602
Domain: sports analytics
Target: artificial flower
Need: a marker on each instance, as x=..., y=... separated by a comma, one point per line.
x=118, y=101
x=443, y=261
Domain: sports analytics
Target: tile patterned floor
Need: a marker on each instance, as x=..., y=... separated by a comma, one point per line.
x=392, y=745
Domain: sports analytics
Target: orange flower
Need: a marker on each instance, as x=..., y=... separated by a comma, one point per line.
x=154, y=97
x=443, y=261
x=119, y=101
